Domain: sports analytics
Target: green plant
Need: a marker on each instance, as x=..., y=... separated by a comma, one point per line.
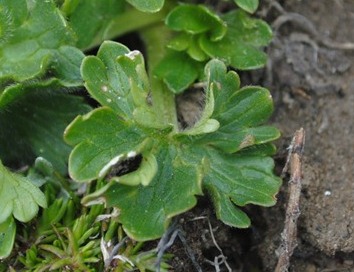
x=225, y=154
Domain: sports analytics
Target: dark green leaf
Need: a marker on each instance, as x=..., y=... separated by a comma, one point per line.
x=102, y=139
x=145, y=212
x=240, y=46
x=178, y=71
x=33, y=125
x=242, y=180
x=89, y=19
x=239, y=111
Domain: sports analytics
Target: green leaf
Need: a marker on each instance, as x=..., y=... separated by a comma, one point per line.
x=241, y=179
x=240, y=46
x=178, y=71
x=33, y=126
x=248, y=5
x=7, y=237
x=37, y=40
x=108, y=77
x=18, y=196
x=238, y=111
x=90, y=19
x=147, y=5
x=102, y=139
x=195, y=19
x=226, y=211
x=226, y=152
x=171, y=192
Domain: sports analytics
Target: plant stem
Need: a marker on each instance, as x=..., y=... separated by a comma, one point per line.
x=155, y=39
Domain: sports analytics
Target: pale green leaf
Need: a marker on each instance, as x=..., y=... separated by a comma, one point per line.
x=143, y=175
x=7, y=237
x=18, y=196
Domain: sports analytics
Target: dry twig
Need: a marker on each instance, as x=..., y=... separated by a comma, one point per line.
x=289, y=239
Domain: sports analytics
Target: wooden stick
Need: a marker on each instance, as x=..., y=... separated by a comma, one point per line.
x=289, y=234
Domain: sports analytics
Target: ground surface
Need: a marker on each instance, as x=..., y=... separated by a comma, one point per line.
x=311, y=76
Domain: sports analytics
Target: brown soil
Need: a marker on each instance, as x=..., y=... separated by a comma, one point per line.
x=311, y=77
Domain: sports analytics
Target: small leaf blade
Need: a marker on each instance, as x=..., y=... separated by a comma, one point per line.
x=241, y=180
x=248, y=5
x=18, y=196
x=7, y=237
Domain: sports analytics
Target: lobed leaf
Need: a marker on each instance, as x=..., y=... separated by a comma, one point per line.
x=175, y=164
x=242, y=180
x=239, y=111
x=240, y=46
x=195, y=19
x=19, y=197
x=109, y=77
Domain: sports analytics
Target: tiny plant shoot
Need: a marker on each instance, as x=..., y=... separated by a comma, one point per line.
x=132, y=163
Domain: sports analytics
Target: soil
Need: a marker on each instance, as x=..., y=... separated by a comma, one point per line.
x=311, y=77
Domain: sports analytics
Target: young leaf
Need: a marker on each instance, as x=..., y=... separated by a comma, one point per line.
x=239, y=47
x=18, y=196
x=7, y=237
x=33, y=125
x=108, y=77
x=239, y=111
x=38, y=40
x=248, y=5
x=195, y=20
